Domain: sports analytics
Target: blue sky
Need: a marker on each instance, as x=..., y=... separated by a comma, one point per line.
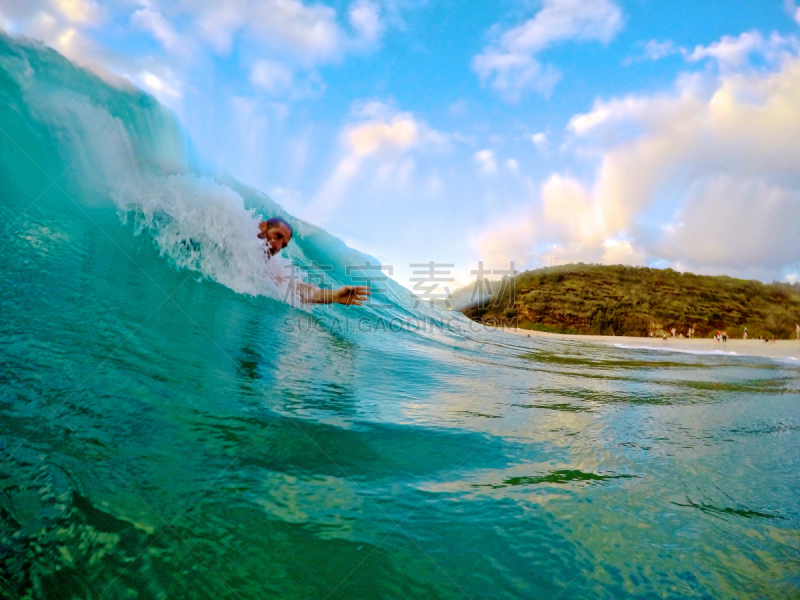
x=646, y=132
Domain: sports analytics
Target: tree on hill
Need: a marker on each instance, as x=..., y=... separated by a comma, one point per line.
x=639, y=301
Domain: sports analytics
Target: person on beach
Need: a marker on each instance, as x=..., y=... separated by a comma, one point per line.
x=744, y=335
x=797, y=330
x=277, y=234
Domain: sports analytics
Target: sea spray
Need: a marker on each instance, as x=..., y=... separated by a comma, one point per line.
x=203, y=226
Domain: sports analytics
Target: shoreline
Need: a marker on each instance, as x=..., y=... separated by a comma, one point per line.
x=779, y=349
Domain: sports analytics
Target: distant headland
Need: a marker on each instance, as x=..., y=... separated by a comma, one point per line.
x=637, y=301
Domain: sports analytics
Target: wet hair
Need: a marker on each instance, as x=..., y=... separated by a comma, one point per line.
x=275, y=221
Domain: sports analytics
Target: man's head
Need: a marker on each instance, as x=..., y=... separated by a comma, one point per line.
x=276, y=234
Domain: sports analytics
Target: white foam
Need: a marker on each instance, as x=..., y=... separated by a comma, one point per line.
x=704, y=352
x=204, y=226
x=680, y=350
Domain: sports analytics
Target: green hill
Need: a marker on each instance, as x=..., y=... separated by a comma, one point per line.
x=638, y=301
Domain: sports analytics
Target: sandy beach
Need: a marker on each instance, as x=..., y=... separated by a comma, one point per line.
x=779, y=349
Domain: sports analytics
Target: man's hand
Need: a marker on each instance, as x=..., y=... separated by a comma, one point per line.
x=350, y=295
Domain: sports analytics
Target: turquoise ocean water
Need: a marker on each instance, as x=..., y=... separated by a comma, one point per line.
x=172, y=427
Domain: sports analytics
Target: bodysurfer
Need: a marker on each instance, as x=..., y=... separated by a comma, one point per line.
x=276, y=234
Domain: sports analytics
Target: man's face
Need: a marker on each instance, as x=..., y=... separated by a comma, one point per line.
x=276, y=237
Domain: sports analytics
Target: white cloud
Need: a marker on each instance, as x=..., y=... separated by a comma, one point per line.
x=510, y=66
x=507, y=241
x=271, y=76
x=732, y=53
x=793, y=10
x=540, y=141
x=290, y=38
x=365, y=18
x=64, y=26
x=622, y=252
x=379, y=146
x=569, y=209
x=80, y=11
x=67, y=27
x=729, y=159
x=514, y=74
x=311, y=31
x=163, y=86
x=24, y=16
x=151, y=20
x=704, y=176
x=277, y=79
x=732, y=222
x=636, y=109
x=393, y=136
x=486, y=161
x=512, y=165
x=309, y=34
x=655, y=50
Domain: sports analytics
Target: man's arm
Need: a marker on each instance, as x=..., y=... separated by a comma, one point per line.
x=348, y=295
